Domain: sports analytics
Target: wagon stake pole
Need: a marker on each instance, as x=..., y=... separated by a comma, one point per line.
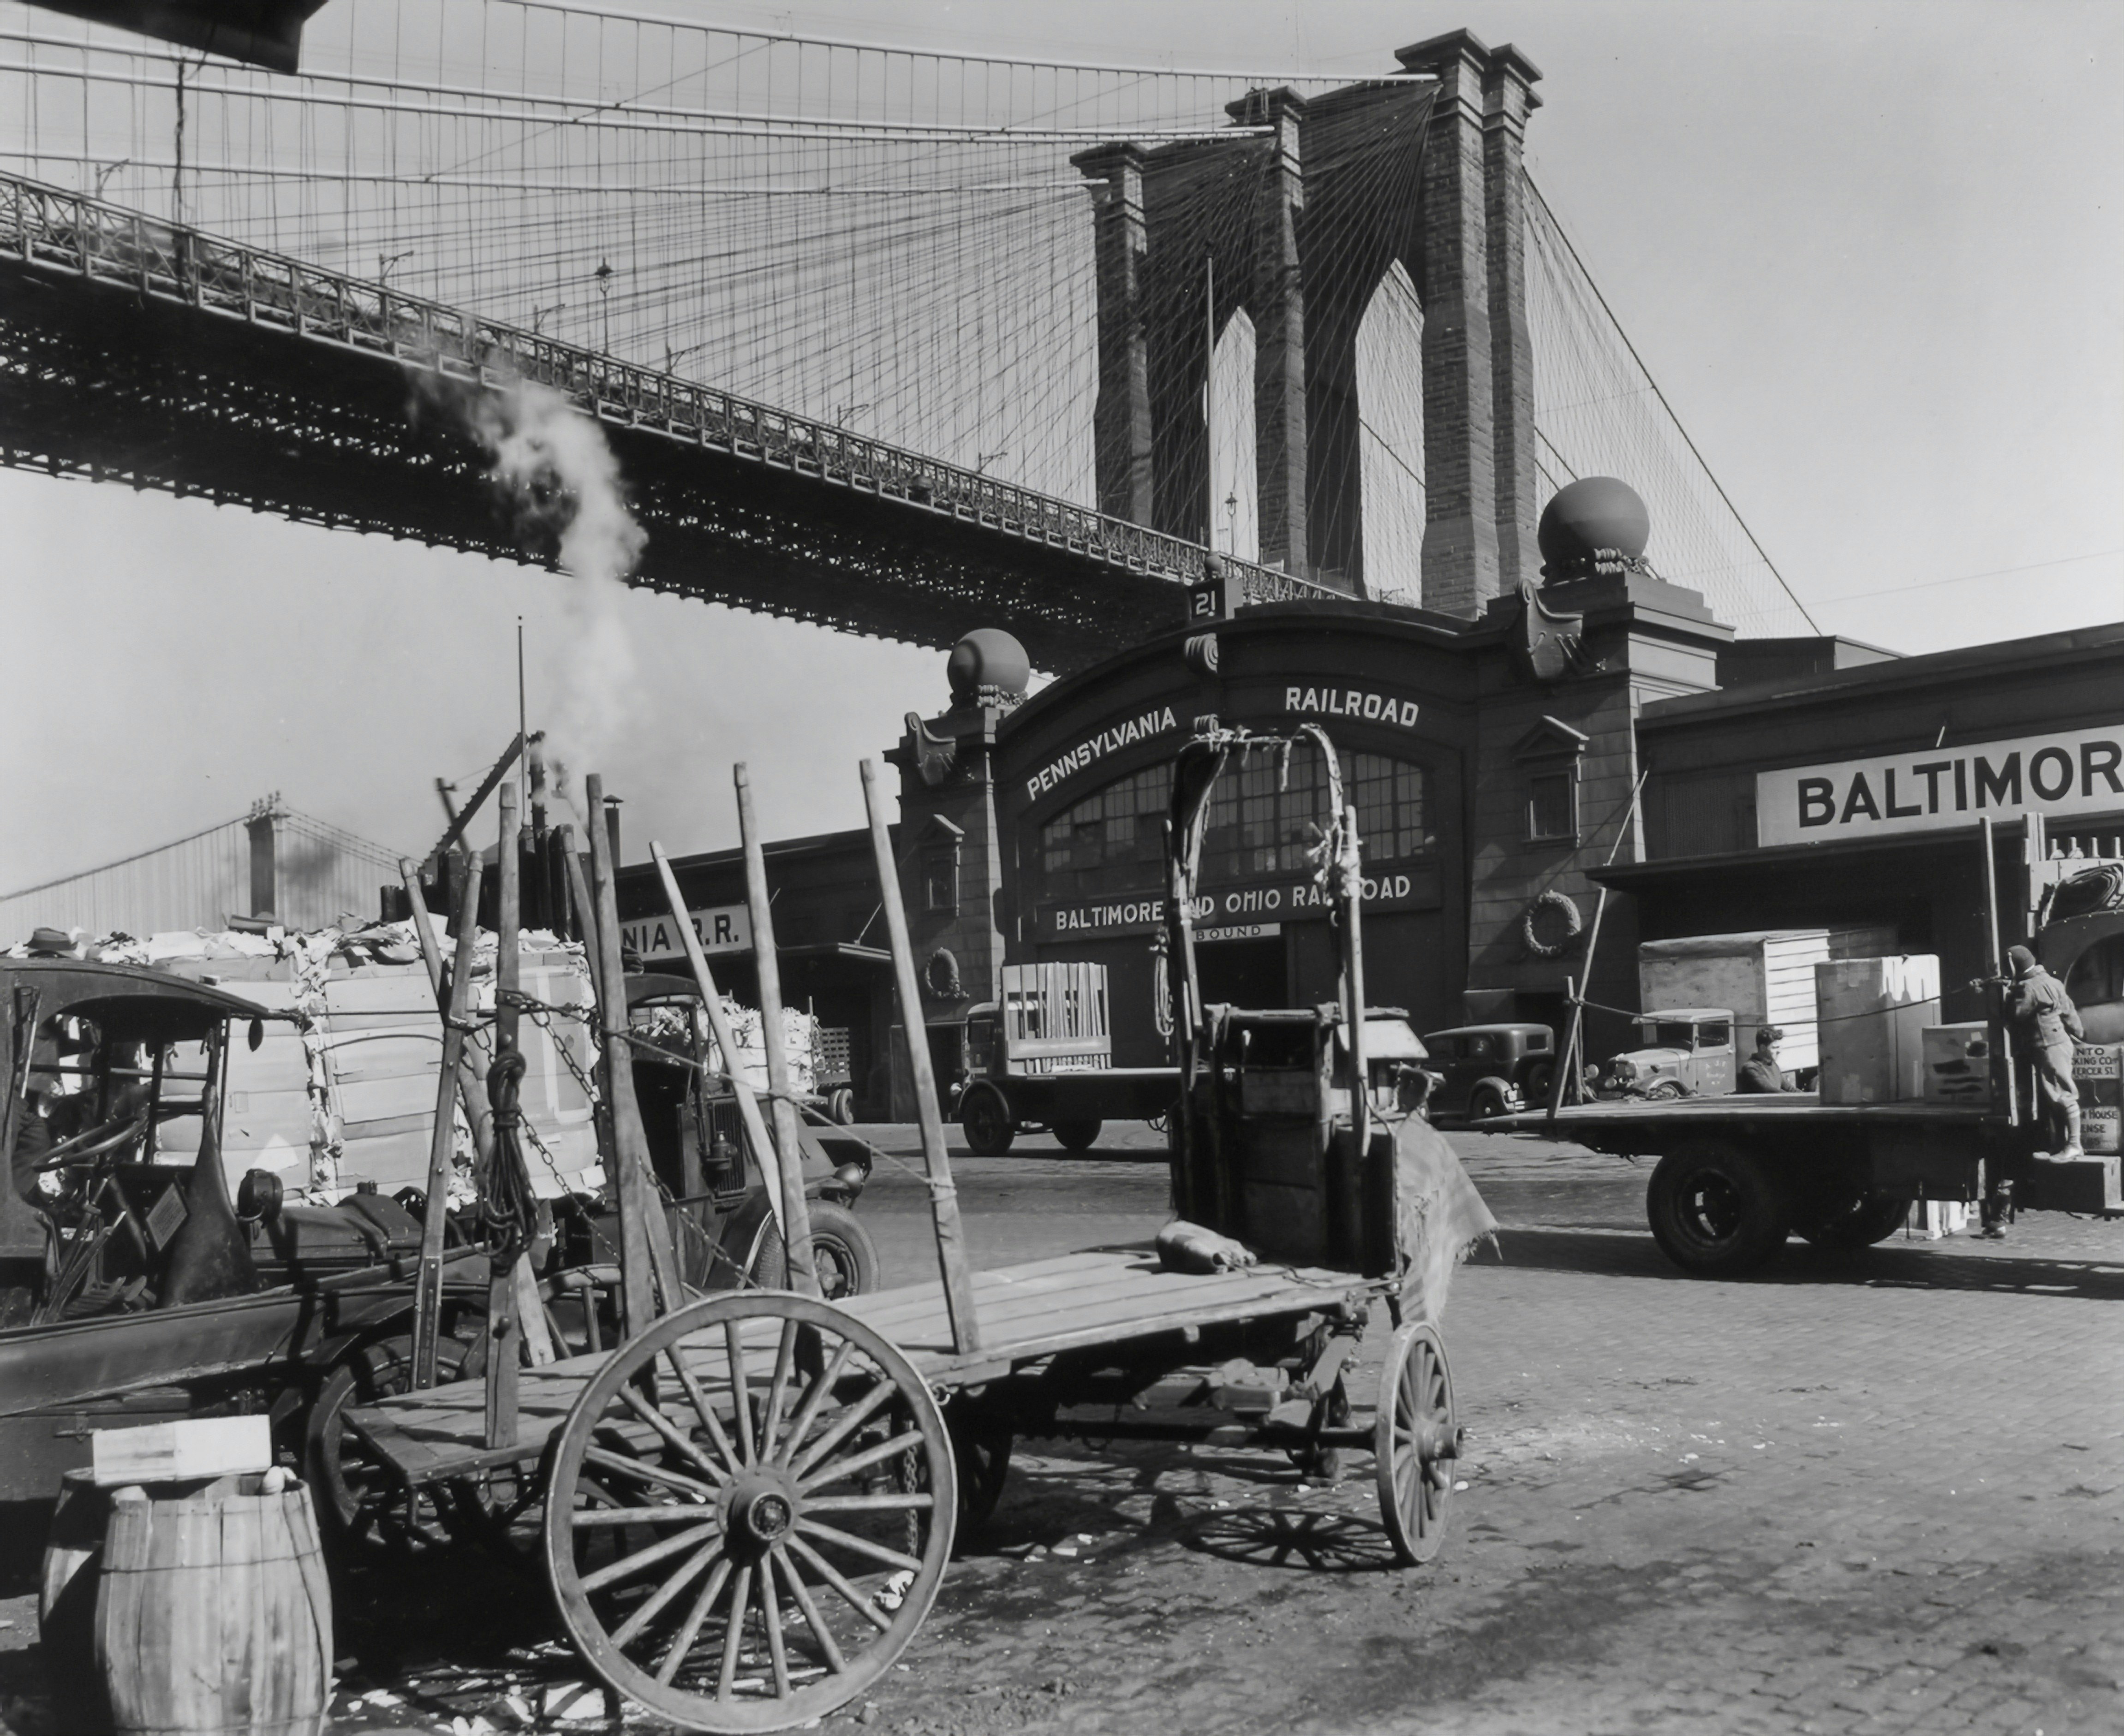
x=646, y=1258
x=450, y=1001
x=1568, y=1062
x=2005, y=1087
x=1352, y=912
x=748, y=1104
x=796, y=1214
x=943, y=1196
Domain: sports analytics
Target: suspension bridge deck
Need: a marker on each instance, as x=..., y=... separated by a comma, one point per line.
x=136, y=351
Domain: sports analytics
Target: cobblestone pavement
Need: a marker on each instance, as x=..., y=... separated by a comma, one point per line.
x=1875, y=1492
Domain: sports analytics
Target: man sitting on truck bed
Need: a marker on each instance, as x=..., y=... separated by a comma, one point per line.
x=1761, y=1071
x=2048, y=1024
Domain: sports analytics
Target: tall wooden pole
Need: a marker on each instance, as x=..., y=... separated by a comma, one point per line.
x=796, y=1214
x=943, y=1195
x=1567, y=1061
x=748, y=1105
x=450, y=1000
x=505, y=1315
x=2006, y=1086
x=641, y=1226
x=1353, y=975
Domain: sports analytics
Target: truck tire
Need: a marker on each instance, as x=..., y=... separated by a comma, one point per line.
x=986, y=1118
x=1077, y=1136
x=1852, y=1218
x=1716, y=1211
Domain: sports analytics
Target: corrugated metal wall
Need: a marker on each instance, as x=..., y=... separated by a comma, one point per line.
x=321, y=873
x=325, y=874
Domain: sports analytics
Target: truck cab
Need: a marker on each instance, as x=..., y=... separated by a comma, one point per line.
x=1686, y=1052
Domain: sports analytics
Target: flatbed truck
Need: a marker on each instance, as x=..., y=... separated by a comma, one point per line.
x=1738, y=1175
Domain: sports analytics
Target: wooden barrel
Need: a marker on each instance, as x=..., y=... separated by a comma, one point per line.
x=214, y=1614
x=66, y=1607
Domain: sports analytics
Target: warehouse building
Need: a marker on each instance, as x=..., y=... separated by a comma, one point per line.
x=1602, y=731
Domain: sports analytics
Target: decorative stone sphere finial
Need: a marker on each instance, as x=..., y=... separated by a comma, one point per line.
x=1593, y=522
x=988, y=666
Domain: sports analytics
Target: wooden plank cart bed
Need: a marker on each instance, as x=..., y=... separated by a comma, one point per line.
x=749, y=1507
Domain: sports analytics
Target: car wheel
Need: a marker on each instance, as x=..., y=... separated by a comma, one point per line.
x=1665, y=1092
x=986, y=1118
x=1077, y=1136
x=841, y=1105
x=1717, y=1212
x=1540, y=1081
x=1484, y=1101
x=842, y=1253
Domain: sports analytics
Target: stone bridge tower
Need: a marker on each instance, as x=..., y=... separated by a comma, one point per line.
x=1295, y=221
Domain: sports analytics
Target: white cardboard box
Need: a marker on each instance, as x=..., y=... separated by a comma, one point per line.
x=199, y=1447
x=1958, y=1062
x=1872, y=1014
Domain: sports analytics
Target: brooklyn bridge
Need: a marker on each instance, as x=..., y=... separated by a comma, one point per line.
x=889, y=341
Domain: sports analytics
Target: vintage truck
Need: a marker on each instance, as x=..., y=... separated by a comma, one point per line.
x=1737, y=1176
x=1687, y=1052
x=1042, y=1059
x=133, y=1289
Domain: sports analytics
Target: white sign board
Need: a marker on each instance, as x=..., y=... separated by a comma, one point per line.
x=721, y=928
x=2072, y=772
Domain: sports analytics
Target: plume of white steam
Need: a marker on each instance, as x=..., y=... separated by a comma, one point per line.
x=563, y=484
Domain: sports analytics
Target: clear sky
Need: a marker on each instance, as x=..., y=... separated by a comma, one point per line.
x=1873, y=253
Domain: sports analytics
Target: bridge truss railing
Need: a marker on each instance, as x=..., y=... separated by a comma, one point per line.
x=55, y=230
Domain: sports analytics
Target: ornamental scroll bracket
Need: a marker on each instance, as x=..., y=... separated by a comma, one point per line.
x=1549, y=645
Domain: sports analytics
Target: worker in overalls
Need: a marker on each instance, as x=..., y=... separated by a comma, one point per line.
x=2046, y=1025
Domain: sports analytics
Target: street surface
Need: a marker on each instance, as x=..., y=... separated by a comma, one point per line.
x=1878, y=1492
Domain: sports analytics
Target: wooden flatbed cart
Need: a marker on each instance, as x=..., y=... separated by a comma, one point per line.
x=749, y=1506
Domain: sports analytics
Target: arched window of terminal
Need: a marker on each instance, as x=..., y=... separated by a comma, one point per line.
x=1111, y=841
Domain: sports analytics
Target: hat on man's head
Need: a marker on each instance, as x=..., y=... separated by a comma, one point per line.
x=51, y=943
x=2021, y=959
x=1767, y=1036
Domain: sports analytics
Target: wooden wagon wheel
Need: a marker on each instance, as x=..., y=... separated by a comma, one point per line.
x=754, y=1546
x=1415, y=1442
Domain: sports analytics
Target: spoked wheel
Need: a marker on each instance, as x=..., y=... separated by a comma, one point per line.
x=749, y=1513
x=363, y=1506
x=1415, y=1442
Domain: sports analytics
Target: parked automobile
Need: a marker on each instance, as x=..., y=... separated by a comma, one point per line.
x=1486, y=1070
x=132, y=1288
x=1687, y=1052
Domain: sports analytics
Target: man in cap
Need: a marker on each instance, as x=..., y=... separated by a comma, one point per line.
x=2046, y=1025
x=1761, y=1071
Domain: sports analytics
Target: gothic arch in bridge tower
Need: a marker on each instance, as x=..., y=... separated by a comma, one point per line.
x=1234, y=475
x=1294, y=220
x=1389, y=374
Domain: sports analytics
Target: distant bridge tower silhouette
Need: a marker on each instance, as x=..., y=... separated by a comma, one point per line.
x=1296, y=224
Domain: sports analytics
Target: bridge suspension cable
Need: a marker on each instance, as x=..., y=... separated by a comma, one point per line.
x=891, y=239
